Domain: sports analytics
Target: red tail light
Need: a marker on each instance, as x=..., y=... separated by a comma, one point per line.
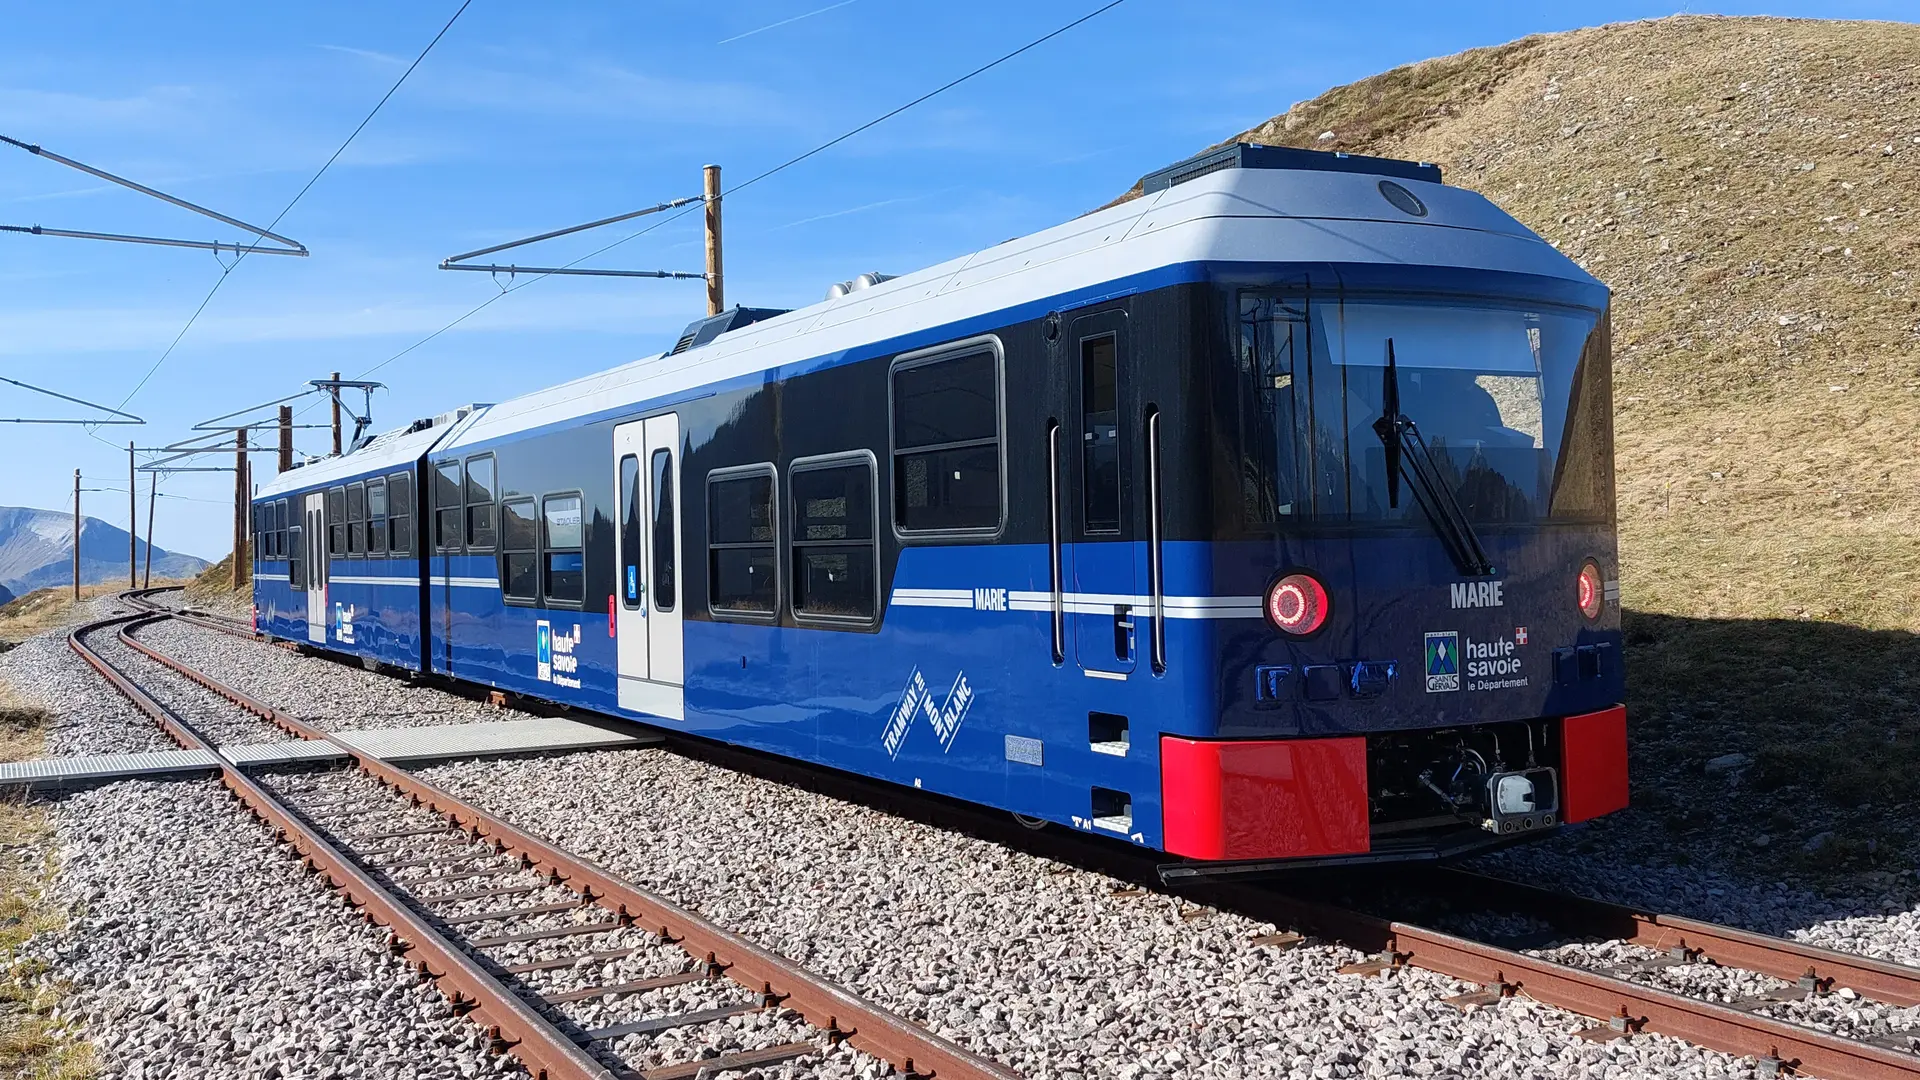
x=1297, y=604
x=1589, y=590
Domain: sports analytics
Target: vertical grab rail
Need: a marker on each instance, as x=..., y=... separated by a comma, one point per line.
x=1053, y=542
x=1156, y=585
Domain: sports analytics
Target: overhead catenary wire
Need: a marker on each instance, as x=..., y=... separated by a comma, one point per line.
x=789, y=163
x=229, y=269
x=122, y=417
x=293, y=247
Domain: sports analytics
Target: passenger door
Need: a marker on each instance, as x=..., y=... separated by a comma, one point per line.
x=647, y=549
x=1100, y=575
x=315, y=538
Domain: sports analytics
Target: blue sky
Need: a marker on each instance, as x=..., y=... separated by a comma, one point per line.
x=530, y=117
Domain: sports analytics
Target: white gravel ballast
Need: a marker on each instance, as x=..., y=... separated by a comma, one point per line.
x=199, y=948
x=1032, y=962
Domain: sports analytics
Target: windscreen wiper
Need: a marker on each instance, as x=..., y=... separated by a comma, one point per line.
x=1407, y=452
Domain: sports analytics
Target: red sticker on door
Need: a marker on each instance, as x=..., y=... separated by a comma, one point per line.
x=610, y=618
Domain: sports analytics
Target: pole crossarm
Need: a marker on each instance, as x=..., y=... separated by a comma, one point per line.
x=459, y=262
x=292, y=247
x=122, y=417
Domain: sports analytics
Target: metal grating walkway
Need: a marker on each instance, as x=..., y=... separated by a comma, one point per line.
x=441, y=743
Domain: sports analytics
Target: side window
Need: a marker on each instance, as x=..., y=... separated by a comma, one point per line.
x=664, y=532
x=283, y=526
x=376, y=517
x=631, y=509
x=836, y=558
x=480, y=502
x=356, y=519
x=336, y=521
x=946, y=442
x=446, y=506
x=562, y=537
x=519, y=551
x=1100, y=434
x=742, y=534
x=400, y=513
x=297, y=558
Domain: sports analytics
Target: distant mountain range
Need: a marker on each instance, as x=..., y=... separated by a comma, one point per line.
x=36, y=551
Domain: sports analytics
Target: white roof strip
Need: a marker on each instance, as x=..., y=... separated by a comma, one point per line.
x=1235, y=215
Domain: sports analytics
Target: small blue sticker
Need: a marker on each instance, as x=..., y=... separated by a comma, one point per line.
x=633, y=582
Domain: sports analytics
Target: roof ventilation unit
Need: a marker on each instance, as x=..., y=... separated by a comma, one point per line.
x=1257, y=156
x=701, y=331
x=864, y=281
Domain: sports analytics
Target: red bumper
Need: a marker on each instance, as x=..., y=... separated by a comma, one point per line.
x=1264, y=800
x=1305, y=798
x=1593, y=764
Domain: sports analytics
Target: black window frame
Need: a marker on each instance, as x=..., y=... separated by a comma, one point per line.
x=377, y=525
x=479, y=502
x=297, y=557
x=798, y=547
x=628, y=505
x=336, y=511
x=439, y=517
x=283, y=524
x=508, y=551
x=357, y=519
x=665, y=572
x=938, y=354
x=736, y=473
x=400, y=514
x=547, y=551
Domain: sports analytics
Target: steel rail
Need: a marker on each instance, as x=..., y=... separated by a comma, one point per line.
x=512, y=1026
x=1625, y=1007
x=1692, y=940
x=844, y=1015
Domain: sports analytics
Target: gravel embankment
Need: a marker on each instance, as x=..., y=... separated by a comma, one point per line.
x=330, y=695
x=198, y=948
x=87, y=715
x=1035, y=963
x=1041, y=965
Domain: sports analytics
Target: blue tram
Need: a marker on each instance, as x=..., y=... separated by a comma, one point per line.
x=1267, y=517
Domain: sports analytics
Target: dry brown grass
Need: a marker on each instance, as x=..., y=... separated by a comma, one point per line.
x=45, y=609
x=1750, y=189
x=32, y=1044
x=216, y=581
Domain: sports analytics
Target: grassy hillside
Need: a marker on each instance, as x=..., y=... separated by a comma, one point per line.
x=1750, y=189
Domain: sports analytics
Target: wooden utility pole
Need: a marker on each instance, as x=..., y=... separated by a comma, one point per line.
x=76, y=536
x=716, y=291
x=239, y=507
x=335, y=391
x=133, y=523
x=286, y=437
x=153, y=496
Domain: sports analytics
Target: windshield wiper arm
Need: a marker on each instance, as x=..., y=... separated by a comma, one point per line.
x=1407, y=452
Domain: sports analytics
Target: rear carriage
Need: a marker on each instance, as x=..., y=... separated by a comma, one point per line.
x=1266, y=517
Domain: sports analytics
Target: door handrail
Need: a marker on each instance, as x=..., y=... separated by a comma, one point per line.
x=1053, y=543
x=1156, y=586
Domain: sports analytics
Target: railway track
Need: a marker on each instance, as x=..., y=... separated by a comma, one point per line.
x=1623, y=998
x=515, y=931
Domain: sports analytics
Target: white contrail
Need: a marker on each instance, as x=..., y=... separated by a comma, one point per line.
x=783, y=22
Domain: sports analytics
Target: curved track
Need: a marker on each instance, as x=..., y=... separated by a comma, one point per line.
x=497, y=860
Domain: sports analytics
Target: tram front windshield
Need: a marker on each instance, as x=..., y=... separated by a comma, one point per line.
x=1511, y=398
